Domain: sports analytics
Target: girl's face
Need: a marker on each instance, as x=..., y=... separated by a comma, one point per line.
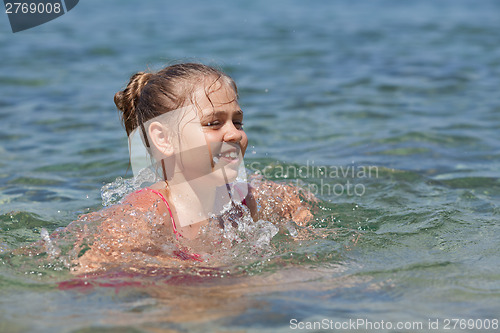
x=214, y=135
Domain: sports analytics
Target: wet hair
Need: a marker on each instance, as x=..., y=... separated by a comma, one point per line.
x=149, y=95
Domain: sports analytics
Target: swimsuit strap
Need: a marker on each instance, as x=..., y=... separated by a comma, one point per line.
x=168, y=207
x=181, y=254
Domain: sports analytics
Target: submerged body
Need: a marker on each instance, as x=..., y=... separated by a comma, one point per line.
x=142, y=231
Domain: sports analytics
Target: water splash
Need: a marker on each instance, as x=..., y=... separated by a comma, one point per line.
x=113, y=192
x=239, y=226
x=51, y=249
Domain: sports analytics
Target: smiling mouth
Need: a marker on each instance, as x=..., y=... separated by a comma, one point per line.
x=227, y=156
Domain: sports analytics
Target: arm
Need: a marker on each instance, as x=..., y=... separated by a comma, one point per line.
x=276, y=202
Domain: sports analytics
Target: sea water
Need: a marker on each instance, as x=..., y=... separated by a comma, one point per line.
x=387, y=111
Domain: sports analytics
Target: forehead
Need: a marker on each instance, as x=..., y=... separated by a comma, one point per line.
x=216, y=95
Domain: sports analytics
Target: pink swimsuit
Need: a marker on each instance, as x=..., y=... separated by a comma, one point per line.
x=168, y=207
x=181, y=254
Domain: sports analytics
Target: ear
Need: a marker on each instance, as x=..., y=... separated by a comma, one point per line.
x=160, y=139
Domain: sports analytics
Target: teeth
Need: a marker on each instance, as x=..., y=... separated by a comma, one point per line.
x=231, y=155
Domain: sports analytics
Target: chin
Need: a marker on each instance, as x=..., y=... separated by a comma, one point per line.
x=227, y=174
x=231, y=174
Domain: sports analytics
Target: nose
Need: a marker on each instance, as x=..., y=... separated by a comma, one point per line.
x=232, y=134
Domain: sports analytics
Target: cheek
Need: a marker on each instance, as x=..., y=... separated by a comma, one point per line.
x=212, y=137
x=217, y=138
x=193, y=150
x=194, y=140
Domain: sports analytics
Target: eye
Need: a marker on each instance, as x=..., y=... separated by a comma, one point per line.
x=213, y=123
x=238, y=124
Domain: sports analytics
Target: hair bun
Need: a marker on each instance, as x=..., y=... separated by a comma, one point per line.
x=127, y=99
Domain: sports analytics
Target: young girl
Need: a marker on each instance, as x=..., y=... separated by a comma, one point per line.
x=184, y=125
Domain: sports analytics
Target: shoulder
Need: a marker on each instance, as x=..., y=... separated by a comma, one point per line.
x=141, y=209
x=140, y=217
x=146, y=200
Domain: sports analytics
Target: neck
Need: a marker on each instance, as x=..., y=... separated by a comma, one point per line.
x=193, y=201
